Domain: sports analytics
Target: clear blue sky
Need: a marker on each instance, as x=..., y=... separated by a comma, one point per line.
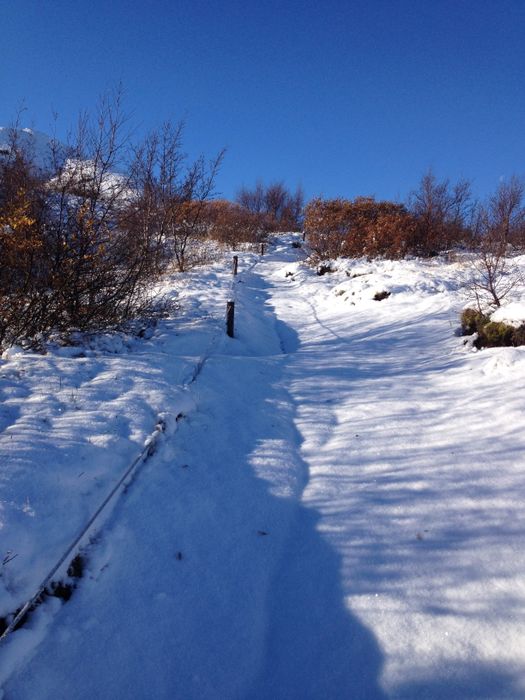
x=346, y=98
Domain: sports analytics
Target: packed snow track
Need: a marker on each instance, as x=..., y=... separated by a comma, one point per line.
x=338, y=514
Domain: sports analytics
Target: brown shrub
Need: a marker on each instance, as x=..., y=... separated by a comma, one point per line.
x=80, y=245
x=442, y=213
x=363, y=226
x=390, y=235
x=230, y=224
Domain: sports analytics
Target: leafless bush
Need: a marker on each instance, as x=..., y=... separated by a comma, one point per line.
x=494, y=275
x=504, y=217
x=170, y=211
x=498, y=231
x=82, y=243
x=443, y=214
x=275, y=206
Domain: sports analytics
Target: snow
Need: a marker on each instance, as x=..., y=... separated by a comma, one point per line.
x=88, y=172
x=42, y=149
x=36, y=143
x=338, y=513
x=513, y=314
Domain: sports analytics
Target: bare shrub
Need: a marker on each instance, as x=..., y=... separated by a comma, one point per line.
x=98, y=273
x=82, y=243
x=498, y=223
x=442, y=213
x=275, y=206
x=171, y=209
x=505, y=213
x=494, y=275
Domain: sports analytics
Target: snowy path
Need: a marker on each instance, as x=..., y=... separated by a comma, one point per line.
x=212, y=564
x=333, y=520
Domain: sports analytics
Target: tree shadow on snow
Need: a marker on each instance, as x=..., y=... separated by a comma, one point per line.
x=313, y=646
x=468, y=682
x=221, y=586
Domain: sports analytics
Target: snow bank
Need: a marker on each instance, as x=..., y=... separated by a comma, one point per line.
x=513, y=314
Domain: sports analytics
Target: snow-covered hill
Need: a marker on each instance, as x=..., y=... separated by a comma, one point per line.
x=39, y=145
x=46, y=152
x=338, y=513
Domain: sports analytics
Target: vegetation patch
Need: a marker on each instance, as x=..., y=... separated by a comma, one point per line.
x=472, y=320
x=490, y=334
x=56, y=589
x=323, y=269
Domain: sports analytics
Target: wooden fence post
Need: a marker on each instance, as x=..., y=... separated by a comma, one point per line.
x=262, y=248
x=235, y=264
x=230, y=317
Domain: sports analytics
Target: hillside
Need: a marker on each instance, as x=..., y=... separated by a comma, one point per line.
x=36, y=143
x=334, y=509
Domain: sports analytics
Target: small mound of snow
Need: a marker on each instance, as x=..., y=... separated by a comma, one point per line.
x=290, y=269
x=513, y=314
x=68, y=351
x=12, y=351
x=504, y=361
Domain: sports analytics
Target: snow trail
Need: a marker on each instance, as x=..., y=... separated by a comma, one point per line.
x=340, y=516
x=211, y=580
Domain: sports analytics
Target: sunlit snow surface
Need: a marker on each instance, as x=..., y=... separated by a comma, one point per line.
x=339, y=514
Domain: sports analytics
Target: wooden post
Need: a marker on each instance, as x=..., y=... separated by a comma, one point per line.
x=230, y=316
x=262, y=248
x=235, y=264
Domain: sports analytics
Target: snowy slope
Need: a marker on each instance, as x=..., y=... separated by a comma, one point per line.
x=415, y=461
x=339, y=514
x=46, y=152
x=39, y=145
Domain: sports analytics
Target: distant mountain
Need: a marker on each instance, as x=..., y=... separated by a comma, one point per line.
x=72, y=172
x=38, y=145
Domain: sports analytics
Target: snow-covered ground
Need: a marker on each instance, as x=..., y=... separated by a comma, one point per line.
x=339, y=513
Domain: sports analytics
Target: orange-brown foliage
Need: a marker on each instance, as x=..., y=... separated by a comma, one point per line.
x=230, y=223
x=363, y=226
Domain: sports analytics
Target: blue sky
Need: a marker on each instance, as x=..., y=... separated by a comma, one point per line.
x=345, y=98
